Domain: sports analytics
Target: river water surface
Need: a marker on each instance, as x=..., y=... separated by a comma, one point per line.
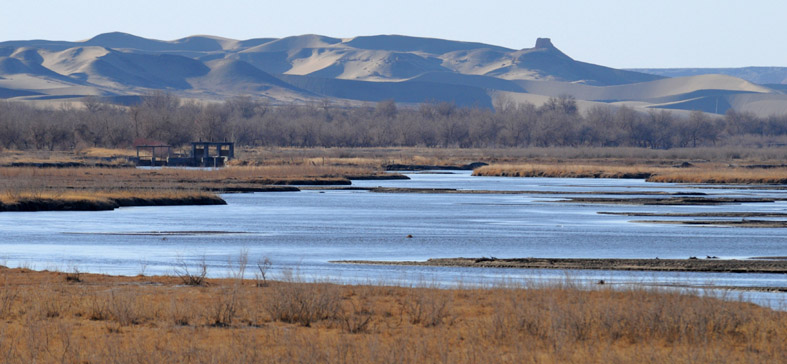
x=302, y=232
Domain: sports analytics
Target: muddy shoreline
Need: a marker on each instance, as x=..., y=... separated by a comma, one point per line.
x=670, y=201
x=663, y=265
x=698, y=214
x=106, y=204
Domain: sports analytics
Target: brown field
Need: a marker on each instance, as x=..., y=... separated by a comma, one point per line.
x=52, y=317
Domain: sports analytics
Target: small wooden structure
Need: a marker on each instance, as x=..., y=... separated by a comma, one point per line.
x=201, y=153
x=162, y=151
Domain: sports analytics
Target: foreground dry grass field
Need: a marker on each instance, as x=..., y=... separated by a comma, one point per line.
x=50, y=317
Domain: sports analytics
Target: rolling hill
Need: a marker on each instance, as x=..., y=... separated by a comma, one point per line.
x=760, y=75
x=361, y=69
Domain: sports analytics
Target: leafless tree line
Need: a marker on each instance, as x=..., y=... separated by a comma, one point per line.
x=165, y=118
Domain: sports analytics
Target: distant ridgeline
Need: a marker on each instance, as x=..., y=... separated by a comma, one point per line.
x=120, y=68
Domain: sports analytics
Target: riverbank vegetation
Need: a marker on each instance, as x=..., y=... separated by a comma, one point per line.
x=702, y=172
x=167, y=119
x=74, y=317
x=49, y=177
x=97, y=200
x=92, y=188
x=692, y=264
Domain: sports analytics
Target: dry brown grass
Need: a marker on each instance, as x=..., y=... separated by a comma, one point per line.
x=724, y=175
x=567, y=170
x=460, y=156
x=106, y=152
x=258, y=168
x=91, y=188
x=152, y=320
x=119, y=181
x=48, y=200
x=698, y=173
x=374, y=157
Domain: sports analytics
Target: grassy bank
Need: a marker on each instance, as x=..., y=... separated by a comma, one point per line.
x=84, y=179
x=693, y=173
x=80, y=318
x=92, y=188
x=620, y=156
x=661, y=265
x=102, y=200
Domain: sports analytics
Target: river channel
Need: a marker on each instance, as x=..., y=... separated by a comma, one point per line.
x=303, y=232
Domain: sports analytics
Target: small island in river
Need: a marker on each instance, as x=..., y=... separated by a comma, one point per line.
x=693, y=264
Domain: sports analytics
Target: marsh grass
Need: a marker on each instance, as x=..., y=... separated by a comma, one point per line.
x=17, y=180
x=725, y=176
x=699, y=173
x=51, y=199
x=459, y=156
x=568, y=171
x=156, y=319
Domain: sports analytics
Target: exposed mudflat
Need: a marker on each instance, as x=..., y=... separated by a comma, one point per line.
x=696, y=214
x=676, y=265
x=671, y=200
x=525, y=192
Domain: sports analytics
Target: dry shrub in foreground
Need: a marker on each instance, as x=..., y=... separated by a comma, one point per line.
x=105, y=319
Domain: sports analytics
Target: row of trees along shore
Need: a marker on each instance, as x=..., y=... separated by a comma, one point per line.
x=558, y=123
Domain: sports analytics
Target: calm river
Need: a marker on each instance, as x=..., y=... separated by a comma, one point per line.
x=303, y=231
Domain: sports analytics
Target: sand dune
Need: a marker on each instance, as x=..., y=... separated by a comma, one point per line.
x=240, y=77
x=485, y=82
x=400, y=43
x=378, y=66
x=129, y=41
x=406, y=91
x=360, y=69
x=759, y=75
x=644, y=90
x=205, y=43
x=761, y=104
x=73, y=60
x=36, y=87
x=30, y=62
x=296, y=43
x=119, y=69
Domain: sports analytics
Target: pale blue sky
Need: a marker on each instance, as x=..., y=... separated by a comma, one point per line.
x=616, y=33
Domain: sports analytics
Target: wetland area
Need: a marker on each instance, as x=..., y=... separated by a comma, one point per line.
x=338, y=256
x=439, y=214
